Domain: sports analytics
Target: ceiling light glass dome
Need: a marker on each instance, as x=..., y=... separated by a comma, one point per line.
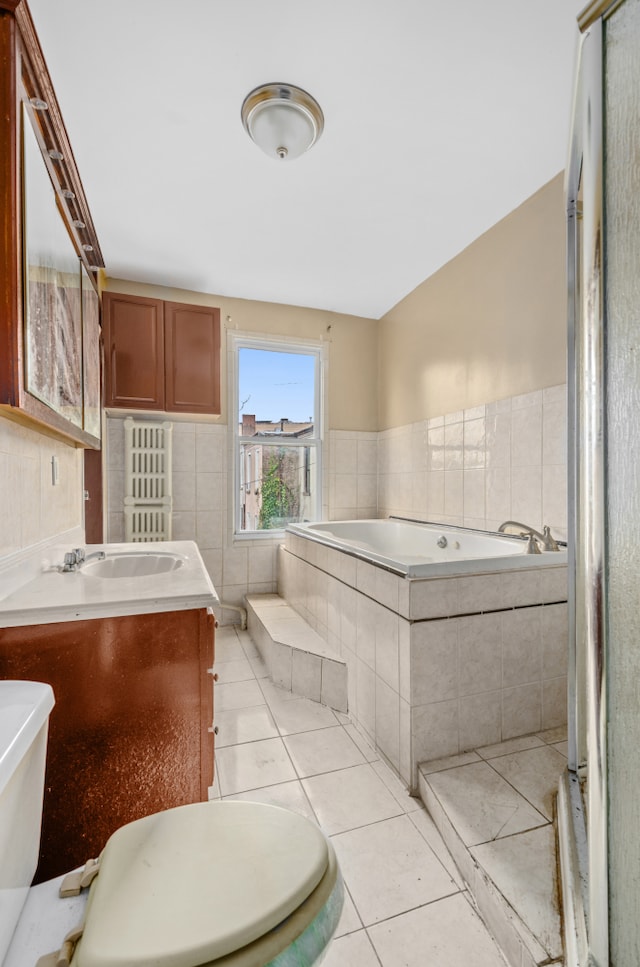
x=283, y=120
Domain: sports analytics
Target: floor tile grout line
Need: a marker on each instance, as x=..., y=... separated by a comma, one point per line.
x=310, y=731
x=418, y=906
x=330, y=772
x=282, y=735
x=283, y=783
x=293, y=765
x=517, y=791
x=446, y=848
x=510, y=836
x=352, y=829
x=433, y=853
x=520, y=832
x=350, y=896
x=373, y=946
x=468, y=896
x=467, y=846
x=268, y=785
x=300, y=780
x=548, y=819
x=483, y=758
x=245, y=708
x=376, y=822
x=319, y=728
x=234, y=681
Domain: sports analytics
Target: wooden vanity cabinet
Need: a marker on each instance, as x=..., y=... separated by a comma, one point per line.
x=161, y=355
x=130, y=733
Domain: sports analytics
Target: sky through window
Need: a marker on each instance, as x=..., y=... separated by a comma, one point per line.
x=275, y=385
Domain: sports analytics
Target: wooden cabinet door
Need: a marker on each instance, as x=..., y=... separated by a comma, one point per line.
x=129, y=734
x=134, y=351
x=192, y=353
x=93, y=493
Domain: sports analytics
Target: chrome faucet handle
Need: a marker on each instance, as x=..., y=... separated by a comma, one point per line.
x=532, y=544
x=79, y=553
x=70, y=562
x=549, y=543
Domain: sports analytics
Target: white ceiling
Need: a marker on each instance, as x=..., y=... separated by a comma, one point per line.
x=441, y=117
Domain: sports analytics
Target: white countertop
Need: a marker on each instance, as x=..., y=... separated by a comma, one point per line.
x=53, y=596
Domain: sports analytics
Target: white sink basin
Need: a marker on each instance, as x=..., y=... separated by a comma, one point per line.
x=133, y=564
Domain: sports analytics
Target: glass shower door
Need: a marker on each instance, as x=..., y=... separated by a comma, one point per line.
x=599, y=798
x=582, y=808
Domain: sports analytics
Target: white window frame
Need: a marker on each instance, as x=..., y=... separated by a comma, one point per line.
x=315, y=348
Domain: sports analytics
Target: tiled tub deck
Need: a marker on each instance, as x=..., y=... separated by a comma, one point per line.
x=436, y=666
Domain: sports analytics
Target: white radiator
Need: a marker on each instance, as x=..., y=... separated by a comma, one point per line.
x=147, y=481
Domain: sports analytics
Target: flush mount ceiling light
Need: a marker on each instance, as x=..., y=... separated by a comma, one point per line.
x=282, y=119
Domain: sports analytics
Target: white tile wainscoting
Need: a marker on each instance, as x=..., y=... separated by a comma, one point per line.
x=33, y=507
x=436, y=666
x=481, y=466
x=477, y=468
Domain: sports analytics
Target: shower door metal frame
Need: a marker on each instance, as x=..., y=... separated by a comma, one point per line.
x=588, y=893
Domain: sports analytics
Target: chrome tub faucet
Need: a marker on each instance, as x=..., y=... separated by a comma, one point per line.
x=547, y=541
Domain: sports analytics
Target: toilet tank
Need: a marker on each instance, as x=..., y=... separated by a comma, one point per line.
x=24, y=723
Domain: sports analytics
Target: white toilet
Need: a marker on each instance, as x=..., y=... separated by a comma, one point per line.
x=230, y=884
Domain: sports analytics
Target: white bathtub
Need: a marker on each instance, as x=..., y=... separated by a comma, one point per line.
x=411, y=549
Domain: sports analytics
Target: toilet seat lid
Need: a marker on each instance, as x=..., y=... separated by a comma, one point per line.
x=195, y=883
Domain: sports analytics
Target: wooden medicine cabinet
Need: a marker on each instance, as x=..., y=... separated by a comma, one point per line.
x=50, y=355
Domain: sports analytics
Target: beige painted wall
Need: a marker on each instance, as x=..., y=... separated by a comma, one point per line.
x=352, y=345
x=488, y=325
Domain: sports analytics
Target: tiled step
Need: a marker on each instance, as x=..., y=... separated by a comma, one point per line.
x=494, y=809
x=297, y=657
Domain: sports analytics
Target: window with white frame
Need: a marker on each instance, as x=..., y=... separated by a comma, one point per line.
x=277, y=402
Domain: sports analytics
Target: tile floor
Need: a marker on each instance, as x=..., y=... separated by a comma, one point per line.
x=405, y=904
x=494, y=808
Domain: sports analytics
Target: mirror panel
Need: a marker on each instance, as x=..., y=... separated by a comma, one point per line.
x=52, y=300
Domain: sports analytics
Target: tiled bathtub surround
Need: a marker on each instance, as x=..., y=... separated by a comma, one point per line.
x=436, y=666
x=481, y=466
x=352, y=475
x=296, y=657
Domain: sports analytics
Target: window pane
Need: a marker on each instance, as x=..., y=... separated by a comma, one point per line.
x=279, y=485
x=276, y=393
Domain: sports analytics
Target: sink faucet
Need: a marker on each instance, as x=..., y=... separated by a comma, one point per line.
x=547, y=541
x=75, y=559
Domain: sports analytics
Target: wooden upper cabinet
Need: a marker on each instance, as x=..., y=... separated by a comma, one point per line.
x=134, y=351
x=161, y=355
x=192, y=351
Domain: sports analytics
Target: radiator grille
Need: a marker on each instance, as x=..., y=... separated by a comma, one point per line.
x=147, y=501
